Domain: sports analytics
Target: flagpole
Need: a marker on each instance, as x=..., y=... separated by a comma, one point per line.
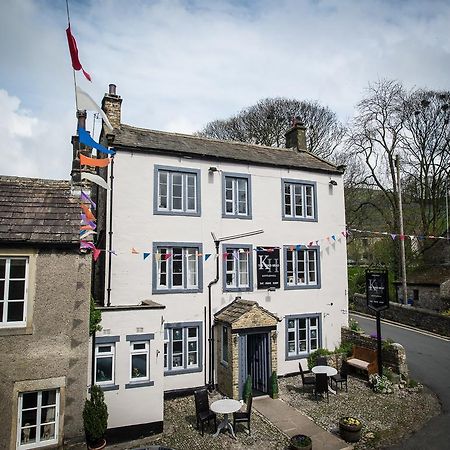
x=73, y=70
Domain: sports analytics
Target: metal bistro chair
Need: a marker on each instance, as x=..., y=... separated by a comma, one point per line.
x=202, y=411
x=307, y=380
x=341, y=377
x=321, y=386
x=240, y=417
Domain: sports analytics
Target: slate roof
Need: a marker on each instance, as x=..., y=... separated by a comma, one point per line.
x=38, y=211
x=237, y=308
x=143, y=140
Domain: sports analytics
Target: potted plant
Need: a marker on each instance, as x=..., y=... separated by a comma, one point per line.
x=350, y=429
x=274, y=385
x=95, y=419
x=301, y=441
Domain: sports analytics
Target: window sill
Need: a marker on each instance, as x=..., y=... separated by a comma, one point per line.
x=176, y=291
x=176, y=213
x=182, y=371
x=235, y=216
x=299, y=356
x=300, y=219
x=108, y=387
x=299, y=288
x=138, y=384
x=15, y=331
x=247, y=289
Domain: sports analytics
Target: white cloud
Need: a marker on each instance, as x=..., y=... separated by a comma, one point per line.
x=179, y=64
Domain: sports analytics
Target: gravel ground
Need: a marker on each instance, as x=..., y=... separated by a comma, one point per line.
x=387, y=418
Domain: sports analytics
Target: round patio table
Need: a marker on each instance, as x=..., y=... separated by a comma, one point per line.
x=328, y=370
x=225, y=406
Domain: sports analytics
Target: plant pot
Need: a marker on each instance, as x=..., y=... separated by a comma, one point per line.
x=300, y=442
x=97, y=445
x=350, y=433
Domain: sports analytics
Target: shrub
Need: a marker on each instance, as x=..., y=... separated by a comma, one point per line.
x=354, y=325
x=95, y=416
x=381, y=385
x=247, y=388
x=345, y=347
x=274, y=385
x=95, y=317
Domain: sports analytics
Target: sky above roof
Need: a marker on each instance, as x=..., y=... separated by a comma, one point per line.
x=180, y=64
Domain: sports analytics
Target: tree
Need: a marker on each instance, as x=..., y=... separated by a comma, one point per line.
x=266, y=123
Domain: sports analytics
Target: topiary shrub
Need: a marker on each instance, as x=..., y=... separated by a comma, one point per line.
x=274, y=385
x=312, y=358
x=95, y=417
x=248, y=388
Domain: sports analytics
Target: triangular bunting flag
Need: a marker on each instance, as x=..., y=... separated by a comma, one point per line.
x=95, y=179
x=393, y=236
x=74, y=53
x=96, y=253
x=85, y=101
x=146, y=255
x=86, y=139
x=94, y=162
x=207, y=255
x=86, y=198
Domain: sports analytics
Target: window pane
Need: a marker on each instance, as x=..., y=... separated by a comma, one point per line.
x=2, y=268
x=192, y=360
x=29, y=417
x=104, y=349
x=48, y=414
x=48, y=398
x=104, y=369
x=177, y=191
x=47, y=432
x=139, y=346
x=192, y=346
x=177, y=267
x=177, y=361
x=28, y=435
x=177, y=334
x=290, y=323
x=291, y=347
x=1, y=311
x=15, y=312
x=163, y=190
x=16, y=290
x=313, y=321
x=291, y=336
x=138, y=366
x=29, y=400
x=177, y=347
x=192, y=332
x=2, y=290
x=17, y=268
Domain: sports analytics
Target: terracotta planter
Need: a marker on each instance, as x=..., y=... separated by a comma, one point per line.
x=350, y=432
x=300, y=442
x=97, y=446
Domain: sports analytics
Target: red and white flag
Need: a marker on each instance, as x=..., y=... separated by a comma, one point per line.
x=73, y=49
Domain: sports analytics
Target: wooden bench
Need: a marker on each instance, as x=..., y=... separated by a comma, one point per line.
x=364, y=359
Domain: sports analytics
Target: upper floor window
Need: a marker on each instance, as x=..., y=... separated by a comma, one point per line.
x=302, y=335
x=237, y=263
x=302, y=268
x=13, y=291
x=177, y=267
x=38, y=419
x=299, y=200
x=177, y=191
x=182, y=347
x=236, y=196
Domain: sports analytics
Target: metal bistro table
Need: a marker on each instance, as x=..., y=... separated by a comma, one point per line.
x=328, y=370
x=225, y=406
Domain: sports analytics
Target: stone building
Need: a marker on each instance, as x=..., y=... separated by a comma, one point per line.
x=195, y=223
x=44, y=315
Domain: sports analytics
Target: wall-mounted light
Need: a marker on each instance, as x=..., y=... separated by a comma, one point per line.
x=333, y=183
x=213, y=169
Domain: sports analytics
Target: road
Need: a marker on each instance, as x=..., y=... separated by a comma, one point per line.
x=429, y=362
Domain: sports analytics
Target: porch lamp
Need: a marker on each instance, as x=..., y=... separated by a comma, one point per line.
x=217, y=241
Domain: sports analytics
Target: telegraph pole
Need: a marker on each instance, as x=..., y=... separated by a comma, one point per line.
x=402, y=233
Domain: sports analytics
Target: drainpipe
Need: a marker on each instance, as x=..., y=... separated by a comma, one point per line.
x=210, y=329
x=110, y=233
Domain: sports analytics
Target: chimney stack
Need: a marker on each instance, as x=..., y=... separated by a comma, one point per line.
x=296, y=136
x=112, y=104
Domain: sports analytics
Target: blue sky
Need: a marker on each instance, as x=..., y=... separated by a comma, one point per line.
x=179, y=64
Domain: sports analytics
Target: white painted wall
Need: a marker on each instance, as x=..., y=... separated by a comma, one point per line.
x=143, y=404
x=136, y=226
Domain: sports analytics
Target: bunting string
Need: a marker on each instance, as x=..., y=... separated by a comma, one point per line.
x=394, y=236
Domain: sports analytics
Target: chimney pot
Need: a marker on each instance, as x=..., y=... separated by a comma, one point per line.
x=81, y=119
x=112, y=89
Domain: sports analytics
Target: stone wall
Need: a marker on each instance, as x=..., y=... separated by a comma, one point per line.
x=225, y=372
x=53, y=353
x=408, y=315
x=393, y=355
x=429, y=297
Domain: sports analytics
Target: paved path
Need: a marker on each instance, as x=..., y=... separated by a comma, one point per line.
x=291, y=422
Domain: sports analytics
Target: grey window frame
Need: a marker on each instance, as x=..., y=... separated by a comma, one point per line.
x=186, y=369
x=6, y=300
x=170, y=290
x=247, y=247
x=235, y=215
x=169, y=211
x=303, y=183
x=318, y=285
x=296, y=317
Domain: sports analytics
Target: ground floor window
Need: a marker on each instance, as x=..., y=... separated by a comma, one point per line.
x=38, y=418
x=139, y=361
x=182, y=347
x=302, y=335
x=104, y=363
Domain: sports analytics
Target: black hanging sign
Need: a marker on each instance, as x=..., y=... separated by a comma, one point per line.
x=377, y=288
x=268, y=267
